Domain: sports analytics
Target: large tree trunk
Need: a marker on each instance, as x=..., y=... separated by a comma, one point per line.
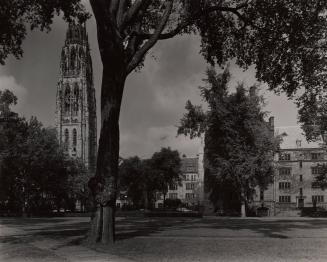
x=103, y=222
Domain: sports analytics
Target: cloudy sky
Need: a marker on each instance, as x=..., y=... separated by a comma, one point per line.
x=154, y=98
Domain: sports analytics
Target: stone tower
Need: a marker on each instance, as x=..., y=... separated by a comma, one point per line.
x=75, y=103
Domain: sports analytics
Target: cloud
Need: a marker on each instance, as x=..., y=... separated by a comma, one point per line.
x=10, y=83
x=152, y=139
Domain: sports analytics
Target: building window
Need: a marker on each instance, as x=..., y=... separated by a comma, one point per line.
x=318, y=199
x=173, y=187
x=315, y=170
x=316, y=156
x=158, y=196
x=67, y=99
x=173, y=195
x=66, y=139
x=300, y=163
x=301, y=191
x=189, y=168
x=284, y=185
x=285, y=199
x=315, y=184
x=285, y=171
x=301, y=178
x=190, y=186
x=74, y=137
x=189, y=195
x=284, y=156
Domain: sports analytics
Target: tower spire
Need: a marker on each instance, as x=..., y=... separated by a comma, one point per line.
x=76, y=106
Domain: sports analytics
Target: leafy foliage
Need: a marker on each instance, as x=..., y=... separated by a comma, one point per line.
x=35, y=174
x=15, y=15
x=143, y=178
x=239, y=144
x=166, y=167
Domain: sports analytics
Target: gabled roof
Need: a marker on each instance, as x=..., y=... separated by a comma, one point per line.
x=295, y=133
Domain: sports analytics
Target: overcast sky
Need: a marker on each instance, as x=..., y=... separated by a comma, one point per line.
x=154, y=98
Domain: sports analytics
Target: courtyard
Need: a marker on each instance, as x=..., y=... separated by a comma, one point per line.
x=167, y=239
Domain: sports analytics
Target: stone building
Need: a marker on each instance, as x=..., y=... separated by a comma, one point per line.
x=294, y=183
x=75, y=102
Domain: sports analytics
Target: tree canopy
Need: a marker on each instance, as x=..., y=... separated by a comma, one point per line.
x=35, y=174
x=16, y=15
x=142, y=179
x=239, y=143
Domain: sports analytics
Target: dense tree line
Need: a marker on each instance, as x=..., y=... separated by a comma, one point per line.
x=36, y=175
x=143, y=178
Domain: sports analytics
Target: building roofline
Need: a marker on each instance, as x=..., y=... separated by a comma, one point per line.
x=301, y=149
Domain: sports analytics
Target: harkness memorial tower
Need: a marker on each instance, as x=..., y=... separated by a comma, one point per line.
x=75, y=102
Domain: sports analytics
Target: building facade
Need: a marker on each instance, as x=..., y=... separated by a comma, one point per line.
x=75, y=102
x=294, y=186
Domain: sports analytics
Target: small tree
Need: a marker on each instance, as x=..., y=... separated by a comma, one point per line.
x=133, y=179
x=166, y=169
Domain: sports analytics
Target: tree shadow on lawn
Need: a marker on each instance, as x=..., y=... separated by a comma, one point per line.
x=21, y=221
x=129, y=228
x=183, y=227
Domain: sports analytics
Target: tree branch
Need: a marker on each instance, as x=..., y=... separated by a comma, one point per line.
x=114, y=6
x=137, y=58
x=120, y=13
x=190, y=20
x=108, y=35
x=134, y=10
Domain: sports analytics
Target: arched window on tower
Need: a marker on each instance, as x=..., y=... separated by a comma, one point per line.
x=72, y=58
x=74, y=137
x=66, y=139
x=74, y=142
x=67, y=99
x=75, y=100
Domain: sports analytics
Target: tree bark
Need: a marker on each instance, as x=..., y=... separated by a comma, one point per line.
x=108, y=226
x=113, y=81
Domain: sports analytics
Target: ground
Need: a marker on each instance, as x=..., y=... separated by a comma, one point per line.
x=167, y=239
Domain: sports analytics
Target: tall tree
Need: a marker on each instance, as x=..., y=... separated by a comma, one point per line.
x=239, y=144
x=283, y=39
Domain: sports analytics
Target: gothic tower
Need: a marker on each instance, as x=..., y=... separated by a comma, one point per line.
x=75, y=104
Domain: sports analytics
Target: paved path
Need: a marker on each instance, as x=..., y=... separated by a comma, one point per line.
x=168, y=239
